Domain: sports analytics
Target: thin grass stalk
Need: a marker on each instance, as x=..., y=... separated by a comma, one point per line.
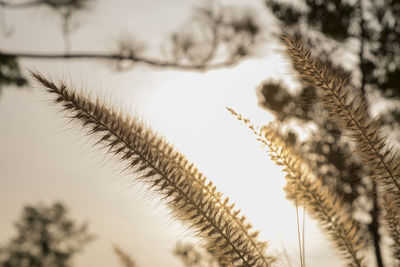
x=304, y=231
x=322, y=203
x=186, y=192
x=301, y=256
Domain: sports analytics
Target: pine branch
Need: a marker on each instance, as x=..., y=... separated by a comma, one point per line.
x=167, y=172
x=321, y=202
x=350, y=112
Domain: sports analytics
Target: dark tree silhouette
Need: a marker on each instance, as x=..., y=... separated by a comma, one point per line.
x=46, y=236
x=372, y=30
x=10, y=73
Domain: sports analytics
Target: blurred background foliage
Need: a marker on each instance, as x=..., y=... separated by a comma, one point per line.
x=46, y=236
x=360, y=36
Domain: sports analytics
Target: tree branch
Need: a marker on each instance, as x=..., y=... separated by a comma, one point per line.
x=27, y=4
x=119, y=57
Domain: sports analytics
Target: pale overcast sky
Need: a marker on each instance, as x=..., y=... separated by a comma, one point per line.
x=42, y=159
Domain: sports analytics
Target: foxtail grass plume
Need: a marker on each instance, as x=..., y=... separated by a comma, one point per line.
x=321, y=203
x=392, y=223
x=350, y=111
x=228, y=236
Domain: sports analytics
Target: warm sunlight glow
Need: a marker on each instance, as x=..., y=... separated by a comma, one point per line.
x=190, y=112
x=140, y=115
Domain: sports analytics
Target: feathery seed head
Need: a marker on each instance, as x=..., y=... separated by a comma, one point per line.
x=228, y=236
x=350, y=110
x=320, y=202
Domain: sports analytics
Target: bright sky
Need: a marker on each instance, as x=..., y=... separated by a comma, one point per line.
x=42, y=159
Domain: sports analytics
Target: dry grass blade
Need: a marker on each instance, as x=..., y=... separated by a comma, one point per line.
x=321, y=203
x=228, y=236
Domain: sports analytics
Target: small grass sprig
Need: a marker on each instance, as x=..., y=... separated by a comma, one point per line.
x=321, y=202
